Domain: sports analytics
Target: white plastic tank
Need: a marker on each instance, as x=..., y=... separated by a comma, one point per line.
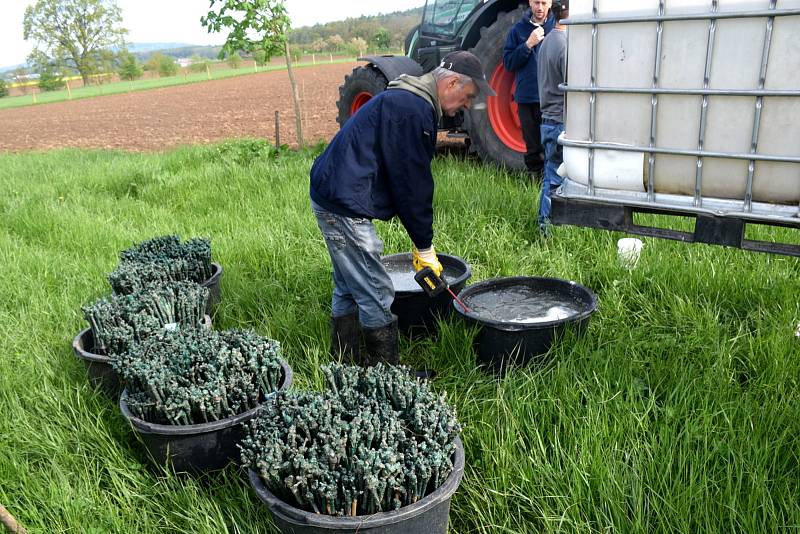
x=626, y=59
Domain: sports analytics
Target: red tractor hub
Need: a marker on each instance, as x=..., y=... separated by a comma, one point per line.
x=502, y=109
x=359, y=100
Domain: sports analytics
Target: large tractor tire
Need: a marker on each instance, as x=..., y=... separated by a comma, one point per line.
x=358, y=87
x=492, y=123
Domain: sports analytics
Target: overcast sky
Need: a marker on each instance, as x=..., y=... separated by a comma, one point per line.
x=178, y=21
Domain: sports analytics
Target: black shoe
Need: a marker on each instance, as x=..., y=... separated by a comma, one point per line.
x=382, y=345
x=426, y=374
x=345, y=332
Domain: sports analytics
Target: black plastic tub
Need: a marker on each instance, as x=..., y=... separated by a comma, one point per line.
x=195, y=448
x=499, y=344
x=98, y=366
x=213, y=287
x=416, y=312
x=429, y=515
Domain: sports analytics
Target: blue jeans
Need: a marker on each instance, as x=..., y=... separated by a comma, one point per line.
x=553, y=157
x=360, y=281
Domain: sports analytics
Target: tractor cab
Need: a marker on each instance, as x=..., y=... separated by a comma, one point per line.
x=443, y=18
x=440, y=30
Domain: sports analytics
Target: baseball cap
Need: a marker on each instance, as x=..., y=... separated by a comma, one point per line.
x=468, y=64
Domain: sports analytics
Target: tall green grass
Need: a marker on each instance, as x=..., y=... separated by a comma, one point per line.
x=141, y=85
x=677, y=411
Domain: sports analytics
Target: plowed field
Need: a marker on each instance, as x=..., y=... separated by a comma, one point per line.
x=202, y=112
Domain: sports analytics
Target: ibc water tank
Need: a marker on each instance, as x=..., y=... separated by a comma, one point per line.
x=701, y=94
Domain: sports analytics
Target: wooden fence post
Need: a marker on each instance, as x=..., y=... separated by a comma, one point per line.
x=277, y=129
x=304, y=112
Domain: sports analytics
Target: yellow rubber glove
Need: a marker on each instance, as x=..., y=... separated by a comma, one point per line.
x=426, y=258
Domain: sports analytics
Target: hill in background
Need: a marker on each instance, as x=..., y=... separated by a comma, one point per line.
x=180, y=51
x=138, y=48
x=398, y=24
x=310, y=38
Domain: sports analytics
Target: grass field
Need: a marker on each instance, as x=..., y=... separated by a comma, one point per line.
x=678, y=411
x=144, y=84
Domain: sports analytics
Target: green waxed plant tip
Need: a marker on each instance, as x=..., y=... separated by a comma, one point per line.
x=375, y=440
x=159, y=260
x=184, y=377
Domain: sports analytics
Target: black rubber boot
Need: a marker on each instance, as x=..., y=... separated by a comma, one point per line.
x=382, y=344
x=345, y=332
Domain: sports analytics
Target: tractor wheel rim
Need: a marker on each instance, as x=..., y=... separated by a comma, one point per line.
x=502, y=110
x=359, y=100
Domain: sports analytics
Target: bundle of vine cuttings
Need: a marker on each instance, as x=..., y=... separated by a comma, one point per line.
x=375, y=440
x=121, y=320
x=199, y=376
x=161, y=259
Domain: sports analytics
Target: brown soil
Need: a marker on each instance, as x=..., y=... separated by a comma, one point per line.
x=201, y=112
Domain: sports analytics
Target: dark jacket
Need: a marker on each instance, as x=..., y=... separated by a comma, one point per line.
x=521, y=60
x=379, y=164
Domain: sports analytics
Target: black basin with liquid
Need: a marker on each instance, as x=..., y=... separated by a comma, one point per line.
x=520, y=317
x=416, y=311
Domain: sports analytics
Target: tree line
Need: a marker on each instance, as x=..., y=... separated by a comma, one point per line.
x=378, y=32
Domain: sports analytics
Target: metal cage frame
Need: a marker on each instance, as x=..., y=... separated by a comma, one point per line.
x=719, y=221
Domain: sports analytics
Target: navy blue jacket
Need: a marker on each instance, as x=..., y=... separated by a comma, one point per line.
x=521, y=60
x=379, y=164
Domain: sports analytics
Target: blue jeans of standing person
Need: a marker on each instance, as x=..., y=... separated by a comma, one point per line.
x=360, y=281
x=553, y=158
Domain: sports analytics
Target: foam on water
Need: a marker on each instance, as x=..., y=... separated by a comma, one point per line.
x=522, y=304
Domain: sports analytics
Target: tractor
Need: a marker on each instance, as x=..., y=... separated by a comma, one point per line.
x=491, y=127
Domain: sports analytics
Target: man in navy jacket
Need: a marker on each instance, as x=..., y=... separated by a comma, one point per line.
x=376, y=167
x=519, y=57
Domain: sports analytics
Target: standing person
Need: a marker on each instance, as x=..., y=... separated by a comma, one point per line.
x=552, y=72
x=519, y=57
x=376, y=167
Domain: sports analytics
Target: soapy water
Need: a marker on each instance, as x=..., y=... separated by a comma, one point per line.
x=402, y=275
x=522, y=304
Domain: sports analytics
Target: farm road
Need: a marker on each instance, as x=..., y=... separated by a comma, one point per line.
x=196, y=113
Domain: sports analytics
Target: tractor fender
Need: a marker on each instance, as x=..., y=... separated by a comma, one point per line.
x=394, y=66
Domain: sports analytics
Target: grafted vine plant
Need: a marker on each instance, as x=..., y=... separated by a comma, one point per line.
x=161, y=259
x=375, y=440
x=119, y=321
x=185, y=377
